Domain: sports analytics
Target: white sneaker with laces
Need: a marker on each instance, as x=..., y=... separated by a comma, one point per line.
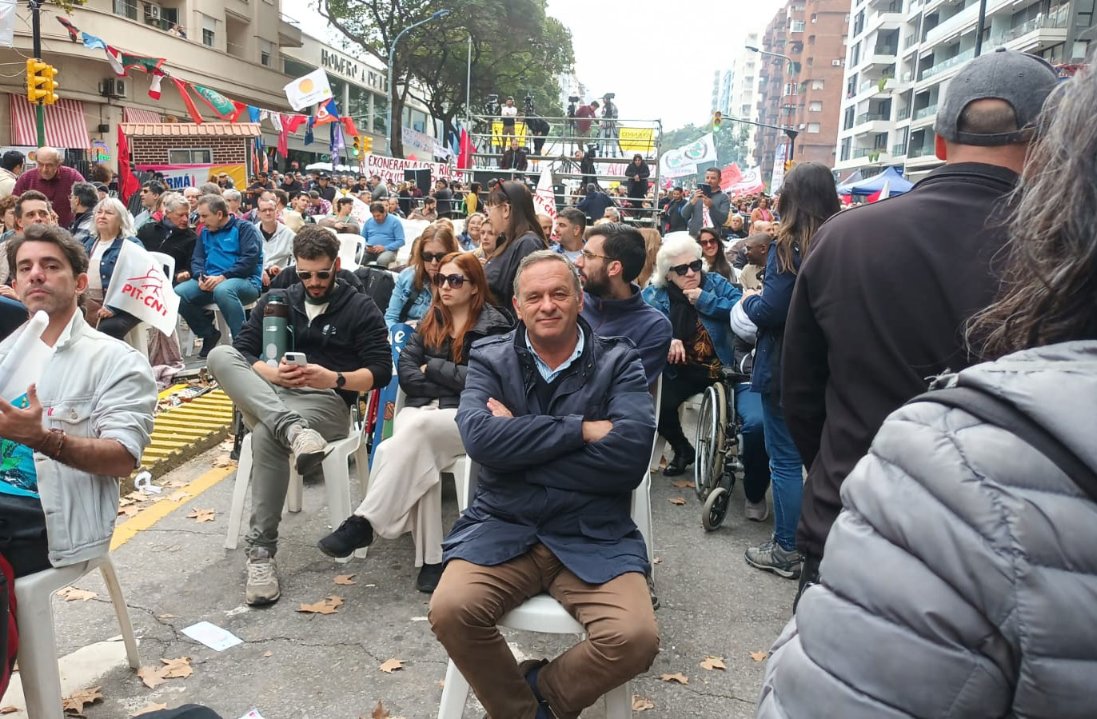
x=309, y=450
x=262, y=585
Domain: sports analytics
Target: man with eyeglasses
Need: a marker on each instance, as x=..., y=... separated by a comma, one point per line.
x=53, y=180
x=295, y=409
x=150, y=195
x=612, y=259
x=277, y=240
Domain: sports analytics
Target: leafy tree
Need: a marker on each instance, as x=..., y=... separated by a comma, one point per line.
x=516, y=49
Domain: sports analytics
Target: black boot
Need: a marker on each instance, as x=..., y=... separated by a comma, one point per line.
x=683, y=457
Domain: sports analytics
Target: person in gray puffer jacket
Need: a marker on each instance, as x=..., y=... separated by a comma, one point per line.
x=960, y=579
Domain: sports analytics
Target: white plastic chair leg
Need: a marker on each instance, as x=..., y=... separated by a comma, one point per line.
x=454, y=693
x=38, y=667
x=619, y=702
x=295, y=492
x=239, y=494
x=110, y=577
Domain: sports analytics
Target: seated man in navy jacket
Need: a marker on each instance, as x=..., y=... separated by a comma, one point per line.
x=562, y=423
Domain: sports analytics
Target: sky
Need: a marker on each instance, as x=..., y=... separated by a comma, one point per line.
x=658, y=56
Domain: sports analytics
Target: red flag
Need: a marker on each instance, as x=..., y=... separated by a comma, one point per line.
x=74, y=34
x=191, y=107
x=348, y=126
x=127, y=181
x=464, y=157
x=235, y=114
x=289, y=123
x=730, y=175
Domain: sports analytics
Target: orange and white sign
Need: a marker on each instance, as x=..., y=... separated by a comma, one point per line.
x=312, y=89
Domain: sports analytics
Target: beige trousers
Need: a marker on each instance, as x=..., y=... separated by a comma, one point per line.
x=405, y=491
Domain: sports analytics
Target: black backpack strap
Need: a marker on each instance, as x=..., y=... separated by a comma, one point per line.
x=1000, y=413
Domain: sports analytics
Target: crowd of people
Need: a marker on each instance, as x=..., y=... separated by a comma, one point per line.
x=538, y=349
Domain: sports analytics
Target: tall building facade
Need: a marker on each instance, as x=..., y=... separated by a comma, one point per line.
x=903, y=53
x=738, y=96
x=804, y=50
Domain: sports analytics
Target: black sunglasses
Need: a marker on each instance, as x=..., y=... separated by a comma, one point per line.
x=433, y=256
x=305, y=275
x=682, y=270
x=454, y=281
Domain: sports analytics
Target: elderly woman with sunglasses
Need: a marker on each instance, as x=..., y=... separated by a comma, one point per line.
x=698, y=304
x=405, y=492
x=412, y=294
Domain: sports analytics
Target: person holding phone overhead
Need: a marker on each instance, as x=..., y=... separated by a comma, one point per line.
x=708, y=207
x=298, y=403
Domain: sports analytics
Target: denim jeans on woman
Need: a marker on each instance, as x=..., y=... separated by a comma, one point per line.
x=786, y=473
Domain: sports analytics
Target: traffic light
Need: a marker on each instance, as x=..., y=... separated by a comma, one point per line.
x=367, y=144
x=41, y=82
x=789, y=164
x=717, y=118
x=357, y=145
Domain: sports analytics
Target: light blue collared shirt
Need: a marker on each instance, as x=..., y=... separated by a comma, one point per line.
x=547, y=373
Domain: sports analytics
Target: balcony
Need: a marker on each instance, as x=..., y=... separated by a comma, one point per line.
x=952, y=62
x=873, y=154
x=903, y=114
x=1017, y=38
x=870, y=117
x=923, y=151
x=954, y=25
x=899, y=150
x=925, y=112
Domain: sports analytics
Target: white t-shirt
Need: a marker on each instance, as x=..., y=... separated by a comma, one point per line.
x=314, y=311
x=509, y=113
x=95, y=282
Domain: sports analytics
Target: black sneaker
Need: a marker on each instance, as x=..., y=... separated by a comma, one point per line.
x=354, y=533
x=208, y=343
x=429, y=576
x=682, y=459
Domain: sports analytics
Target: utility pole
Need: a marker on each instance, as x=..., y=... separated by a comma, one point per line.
x=36, y=32
x=980, y=26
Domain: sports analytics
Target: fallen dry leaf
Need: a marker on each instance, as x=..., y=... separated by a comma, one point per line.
x=328, y=605
x=677, y=500
x=72, y=594
x=75, y=702
x=345, y=579
x=681, y=484
x=657, y=560
x=642, y=704
x=8, y=710
x=135, y=496
x=759, y=656
x=151, y=676
x=165, y=616
x=268, y=653
x=676, y=677
x=379, y=712
x=176, y=668
x=177, y=496
x=224, y=461
x=391, y=665
x=711, y=663
x=128, y=511
x=149, y=708
x=202, y=515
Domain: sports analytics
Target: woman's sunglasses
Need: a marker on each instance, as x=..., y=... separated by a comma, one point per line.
x=433, y=256
x=706, y=242
x=683, y=270
x=305, y=275
x=454, y=281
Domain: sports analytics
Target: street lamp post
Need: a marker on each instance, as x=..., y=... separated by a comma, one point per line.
x=792, y=67
x=438, y=15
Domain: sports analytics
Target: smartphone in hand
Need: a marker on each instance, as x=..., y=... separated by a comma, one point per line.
x=295, y=358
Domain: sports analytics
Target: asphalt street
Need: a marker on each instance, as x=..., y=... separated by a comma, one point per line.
x=294, y=665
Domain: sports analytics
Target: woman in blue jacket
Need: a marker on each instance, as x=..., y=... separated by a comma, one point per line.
x=808, y=199
x=111, y=227
x=412, y=294
x=699, y=305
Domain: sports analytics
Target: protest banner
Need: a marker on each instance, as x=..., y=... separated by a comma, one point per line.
x=176, y=177
x=683, y=161
x=140, y=288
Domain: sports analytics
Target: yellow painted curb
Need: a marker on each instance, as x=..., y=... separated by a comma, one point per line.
x=148, y=517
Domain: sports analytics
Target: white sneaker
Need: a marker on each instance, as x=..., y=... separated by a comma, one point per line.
x=262, y=585
x=756, y=511
x=309, y=450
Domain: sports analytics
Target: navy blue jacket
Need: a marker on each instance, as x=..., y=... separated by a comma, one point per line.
x=539, y=482
x=595, y=205
x=648, y=328
x=769, y=311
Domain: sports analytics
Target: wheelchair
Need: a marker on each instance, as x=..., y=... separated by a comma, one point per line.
x=718, y=442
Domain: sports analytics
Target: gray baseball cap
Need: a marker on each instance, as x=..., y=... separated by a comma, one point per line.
x=1022, y=80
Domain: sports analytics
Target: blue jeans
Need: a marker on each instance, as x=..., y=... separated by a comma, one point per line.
x=786, y=470
x=230, y=297
x=748, y=405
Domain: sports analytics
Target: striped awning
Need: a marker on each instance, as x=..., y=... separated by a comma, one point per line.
x=134, y=114
x=65, y=125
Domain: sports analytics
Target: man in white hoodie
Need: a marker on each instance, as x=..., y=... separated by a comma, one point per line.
x=277, y=240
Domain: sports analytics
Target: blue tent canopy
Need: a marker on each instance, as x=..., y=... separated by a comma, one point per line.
x=897, y=184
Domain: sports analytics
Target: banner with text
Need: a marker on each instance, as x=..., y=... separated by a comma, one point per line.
x=140, y=288
x=636, y=139
x=778, y=177
x=392, y=168
x=176, y=177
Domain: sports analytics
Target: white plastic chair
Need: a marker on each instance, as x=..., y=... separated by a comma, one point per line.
x=692, y=403
x=544, y=614
x=222, y=325
x=350, y=250
x=38, y=668
x=336, y=482
x=461, y=468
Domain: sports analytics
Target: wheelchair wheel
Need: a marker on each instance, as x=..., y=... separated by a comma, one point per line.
x=716, y=508
x=710, y=440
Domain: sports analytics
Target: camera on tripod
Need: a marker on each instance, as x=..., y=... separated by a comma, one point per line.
x=529, y=104
x=572, y=99
x=491, y=107
x=609, y=96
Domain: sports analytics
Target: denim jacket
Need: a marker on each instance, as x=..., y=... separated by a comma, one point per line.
x=92, y=386
x=402, y=292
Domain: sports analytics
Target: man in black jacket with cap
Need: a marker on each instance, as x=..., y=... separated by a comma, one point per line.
x=881, y=303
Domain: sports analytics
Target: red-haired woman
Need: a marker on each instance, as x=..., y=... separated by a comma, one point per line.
x=404, y=491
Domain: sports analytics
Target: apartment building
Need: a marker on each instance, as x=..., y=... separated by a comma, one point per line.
x=802, y=59
x=735, y=91
x=902, y=54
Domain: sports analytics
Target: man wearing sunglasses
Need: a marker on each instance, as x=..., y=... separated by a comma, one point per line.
x=296, y=409
x=613, y=306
